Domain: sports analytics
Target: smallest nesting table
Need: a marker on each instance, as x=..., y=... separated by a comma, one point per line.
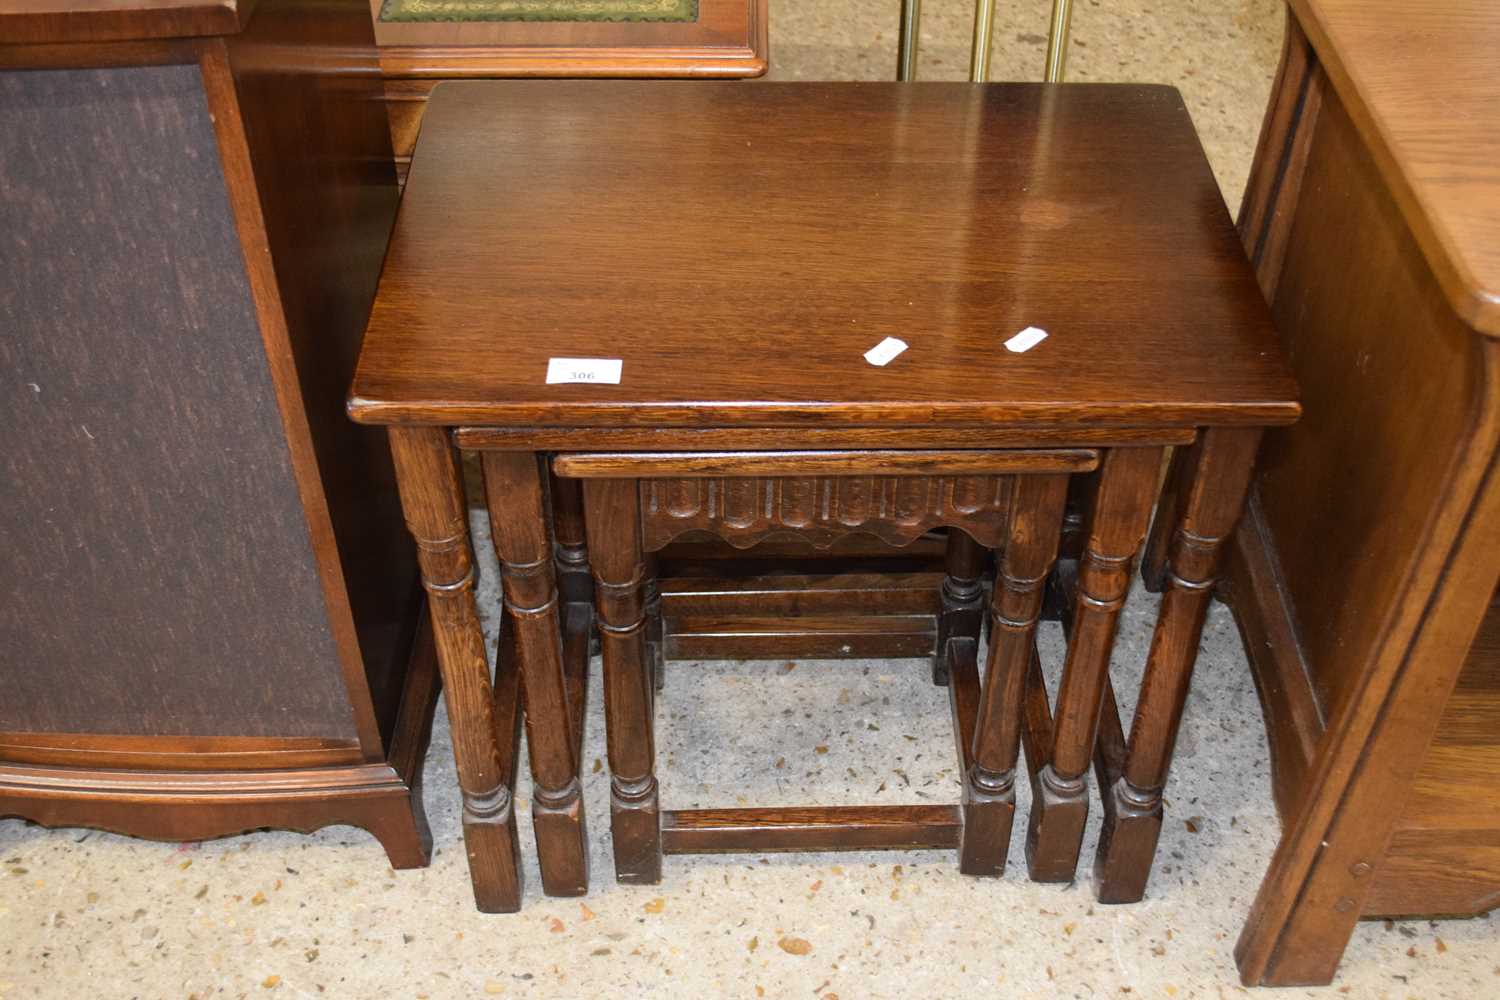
x=732, y=251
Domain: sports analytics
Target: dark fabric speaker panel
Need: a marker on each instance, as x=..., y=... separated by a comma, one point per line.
x=156, y=575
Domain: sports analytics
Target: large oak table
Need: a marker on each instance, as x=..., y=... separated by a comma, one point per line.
x=1364, y=575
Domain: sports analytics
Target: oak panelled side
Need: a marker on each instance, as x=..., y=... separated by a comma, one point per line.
x=208, y=605
x=1366, y=565
x=1444, y=855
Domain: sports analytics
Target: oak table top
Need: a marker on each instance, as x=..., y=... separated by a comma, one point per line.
x=740, y=247
x=1422, y=83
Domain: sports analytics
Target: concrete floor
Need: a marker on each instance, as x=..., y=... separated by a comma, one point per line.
x=87, y=914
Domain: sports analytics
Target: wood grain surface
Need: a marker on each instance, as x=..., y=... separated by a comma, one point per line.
x=741, y=248
x=833, y=464
x=1368, y=566
x=810, y=828
x=1420, y=81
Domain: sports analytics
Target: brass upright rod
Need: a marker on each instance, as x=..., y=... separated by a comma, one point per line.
x=979, y=56
x=1057, y=40
x=911, y=27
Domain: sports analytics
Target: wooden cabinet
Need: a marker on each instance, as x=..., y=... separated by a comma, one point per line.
x=1364, y=575
x=209, y=611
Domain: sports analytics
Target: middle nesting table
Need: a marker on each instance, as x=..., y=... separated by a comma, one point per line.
x=701, y=268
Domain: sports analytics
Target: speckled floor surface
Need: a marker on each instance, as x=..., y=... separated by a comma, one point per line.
x=85, y=914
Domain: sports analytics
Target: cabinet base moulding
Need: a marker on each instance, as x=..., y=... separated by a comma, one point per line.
x=194, y=803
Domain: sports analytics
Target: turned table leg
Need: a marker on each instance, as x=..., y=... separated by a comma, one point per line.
x=656, y=640
x=572, y=555
x=1215, y=478
x=1117, y=526
x=989, y=801
x=613, y=517
x=1168, y=510
x=433, y=501
x=963, y=597
x=514, y=487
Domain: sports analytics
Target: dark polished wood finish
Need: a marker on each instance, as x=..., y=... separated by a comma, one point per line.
x=613, y=514
x=433, y=499
x=1120, y=516
x=515, y=492
x=201, y=788
x=962, y=613
x=859, y=597
x=828, y=464
x=745, y=509
x=1364, y=578
x=638, y=439
x=1213, y=478
x=828, y=828
x=190, y=359
x=1020, y=164
x=526, y=213
x=872, y=614
x=628, y=517
x=1015, y=607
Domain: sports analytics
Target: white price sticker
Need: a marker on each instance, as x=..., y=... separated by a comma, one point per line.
x=885, y=352
x=600, y=371
x=1025, y=340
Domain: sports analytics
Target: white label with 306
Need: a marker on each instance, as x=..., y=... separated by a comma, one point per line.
x=601, y=371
